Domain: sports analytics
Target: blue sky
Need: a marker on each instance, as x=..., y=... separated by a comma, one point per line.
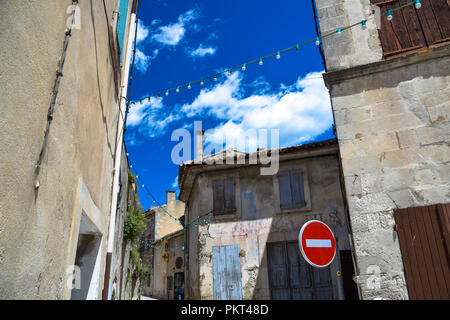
x=183, y=41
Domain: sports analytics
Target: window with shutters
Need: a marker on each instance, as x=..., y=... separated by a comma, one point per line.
x=291, y=188
x=412, y=29
x=224, y=197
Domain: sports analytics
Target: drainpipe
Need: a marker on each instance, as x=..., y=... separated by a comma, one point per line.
x=118, y=155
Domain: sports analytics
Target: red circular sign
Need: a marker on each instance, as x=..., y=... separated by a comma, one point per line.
x=317, y=243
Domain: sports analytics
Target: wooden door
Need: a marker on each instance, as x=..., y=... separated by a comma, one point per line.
x=226, y=273
x=178, y=282
x=292, y=278
x=423, y=234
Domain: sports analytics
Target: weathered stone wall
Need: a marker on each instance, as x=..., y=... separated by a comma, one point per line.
x=36, y=226
x=120, y=265
x=164, y=224
x=394, y=132
x=353, y=46
x=260, y=220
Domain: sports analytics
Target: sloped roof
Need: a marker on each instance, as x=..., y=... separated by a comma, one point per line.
x=208, y=161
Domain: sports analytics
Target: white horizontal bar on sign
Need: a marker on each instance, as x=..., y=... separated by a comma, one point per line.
x=318, y=243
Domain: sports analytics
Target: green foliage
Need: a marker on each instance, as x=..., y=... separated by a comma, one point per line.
x=131, y=177
x=144, y=273
x=135, y=224
x=139, y=272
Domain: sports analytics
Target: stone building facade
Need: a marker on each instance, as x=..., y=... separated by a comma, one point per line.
x=390, y=91
x=55, y=217
x=162, y=249
x=249, y=249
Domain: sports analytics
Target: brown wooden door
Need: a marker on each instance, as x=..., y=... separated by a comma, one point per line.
x=423, y=234
x=292, y=278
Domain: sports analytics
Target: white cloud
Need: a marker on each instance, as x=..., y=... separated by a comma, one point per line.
x=142, y=61
x=142, y=32
x=150, y=118
x=175, y=183
x=173, y=33
x=300, y=111
x=202, y=51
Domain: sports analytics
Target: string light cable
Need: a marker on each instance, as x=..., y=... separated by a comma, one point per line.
x=59, y=75
x=200, y=220
x=317, y=40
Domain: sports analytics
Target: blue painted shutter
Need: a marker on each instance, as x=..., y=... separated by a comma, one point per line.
x=219, y=276
x=298, y=193
x=122, y=24
x=226, y=273
x=284, y=183
x=234, y=273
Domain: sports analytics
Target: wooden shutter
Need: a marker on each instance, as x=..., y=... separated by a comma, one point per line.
x=434, y=16
x=300, y=274
x=298, y=192
x=423, y=238
x=226, y=273
x=284, y=182
x=218, y=197
x=403, y=33
x=411, y=28
x=278, y=271
x=229, y=196
x=291, y=277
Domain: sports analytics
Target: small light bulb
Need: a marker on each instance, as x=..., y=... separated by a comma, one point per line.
x=417, y=4
x=339, y=31
x=278, y=55
x=178, y=89
x=228, y=73
x=317, y=41
x=389, y=15
x=167, y=92
x=260, y=62
x=215, y=79
x=364, y=24
x=243, y=67
x=297, y=47
x=189, y=86
x=202, y=83
x=143, y=186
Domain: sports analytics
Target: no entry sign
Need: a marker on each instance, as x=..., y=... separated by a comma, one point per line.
x=317, y=243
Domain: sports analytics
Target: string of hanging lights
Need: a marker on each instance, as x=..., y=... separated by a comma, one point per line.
x=204, y=219
x=317, y=40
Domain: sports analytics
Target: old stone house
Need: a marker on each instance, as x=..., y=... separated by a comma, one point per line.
x=249, y=249
x=389, y=82
x=62, y=66
x=162, y=249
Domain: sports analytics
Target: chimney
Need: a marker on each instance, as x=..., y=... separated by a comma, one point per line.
x=170, y=196
x=199, y=146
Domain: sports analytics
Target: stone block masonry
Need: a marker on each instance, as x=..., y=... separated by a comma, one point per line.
x=393, y=129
